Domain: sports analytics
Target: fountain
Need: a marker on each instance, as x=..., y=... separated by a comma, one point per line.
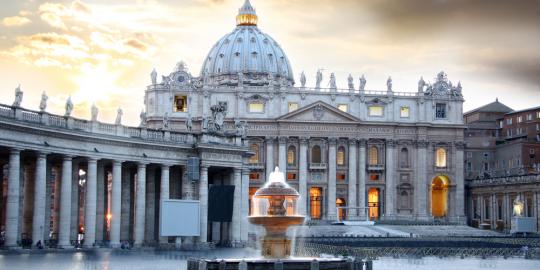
x=274, y=206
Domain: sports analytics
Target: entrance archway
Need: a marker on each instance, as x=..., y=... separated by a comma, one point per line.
x=342, y=214
x=439, y=196
x=373, y=203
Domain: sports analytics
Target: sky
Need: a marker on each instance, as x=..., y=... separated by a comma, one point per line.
x=103, y=51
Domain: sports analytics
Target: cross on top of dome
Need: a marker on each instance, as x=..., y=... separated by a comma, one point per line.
x=246, y=15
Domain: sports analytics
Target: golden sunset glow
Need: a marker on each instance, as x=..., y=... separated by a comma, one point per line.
x=103, y=52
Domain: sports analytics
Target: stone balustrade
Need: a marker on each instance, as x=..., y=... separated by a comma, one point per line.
x=507, y=180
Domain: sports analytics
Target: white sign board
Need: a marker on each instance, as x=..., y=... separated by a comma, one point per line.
x=179, y=218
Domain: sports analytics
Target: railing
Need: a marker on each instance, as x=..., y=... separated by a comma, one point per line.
x=317, y=166
x=256, y=166
x=31, y=116
x=52, y=120
x=509, y=180
x=57, y=121
x=6, y=111
x=81, y=124
x=376, y=167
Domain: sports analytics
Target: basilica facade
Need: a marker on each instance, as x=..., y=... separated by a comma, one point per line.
x=352, y=153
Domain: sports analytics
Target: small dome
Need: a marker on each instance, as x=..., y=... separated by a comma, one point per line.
x=248, y=54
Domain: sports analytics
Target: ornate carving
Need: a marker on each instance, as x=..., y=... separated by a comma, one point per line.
x=460, y=145
x=304, y=140
x=422, y=144
x=353, y=141
x=390, y=143
x=318, y=111
x=332, y=141
x=283, y=139
x=219, y=111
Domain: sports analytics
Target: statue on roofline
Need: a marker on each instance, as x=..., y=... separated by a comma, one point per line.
x=18, y=96
x=43, y=102
x=69, y=107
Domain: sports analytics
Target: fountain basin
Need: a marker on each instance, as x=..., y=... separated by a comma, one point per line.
x=273, y=264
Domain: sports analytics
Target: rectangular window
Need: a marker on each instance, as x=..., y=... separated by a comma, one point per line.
x=343, y=107
x=537, y=114
x=440, y=110
x=376, y=110
x=293, y=106
x=520, y=119
x=341, y=177
x=180, y=103
x=291, y=176
x=501, y=124
x=469, y=166
x=404, y=112
x=374, y=177
x=256, y=107
x=509, y=121
x=529, y=117
x=486, y=166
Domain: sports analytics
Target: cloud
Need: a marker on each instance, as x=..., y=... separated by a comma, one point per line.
x=53, y=20
x=15, y=21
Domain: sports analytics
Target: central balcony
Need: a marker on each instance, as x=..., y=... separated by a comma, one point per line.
x=317, y=166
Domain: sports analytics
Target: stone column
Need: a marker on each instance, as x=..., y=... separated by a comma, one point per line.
x=13, y=198
x=269, y=156
x=421, y=188
x=140, y=204
x=203, y=200
x=64, y=231
x=237, y=204
x=90, y=204
x=390, y=180
x=163, y=195
x=38, y=219
x=56, y=203
x=283, y=155
x=245, y=205
x=29, y=173
x=332, y=210
x=126, y=232
x=362, y=179
x=116, y=203
x=352, y=177
x=100, y=203
x=302, y=177
x=460, y=184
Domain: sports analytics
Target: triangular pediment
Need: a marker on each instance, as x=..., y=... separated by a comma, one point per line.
x=318, y=112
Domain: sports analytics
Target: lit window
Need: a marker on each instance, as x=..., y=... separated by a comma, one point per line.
x=376, y=110
x=315, y=202
x=180, y=104
x=254, y=176
x=440, y=110
x=340, y=157
x=293, y=106
x=291, y=156
x=343, y=107
x=404, y=112
x=291, y=176
x=255, y=158
x=341, y=177
x=374, y=177
x=440, y=161
x=537, y=114
x=373, y=156
x=256, y=107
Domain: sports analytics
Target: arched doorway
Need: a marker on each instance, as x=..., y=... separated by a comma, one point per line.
x=373, y=203
x=439, y=196
x=342, y=213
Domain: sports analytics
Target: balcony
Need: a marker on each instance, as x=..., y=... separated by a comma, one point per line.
x=375, y=167
x=317, y=166
x=256, y=166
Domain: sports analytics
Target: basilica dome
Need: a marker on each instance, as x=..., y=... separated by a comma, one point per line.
x=247, y=56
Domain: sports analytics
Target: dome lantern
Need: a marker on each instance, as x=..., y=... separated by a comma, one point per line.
x=246, y=15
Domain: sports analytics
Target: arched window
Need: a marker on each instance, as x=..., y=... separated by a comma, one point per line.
x=340, y=156
x=373, y=155
x=316, y=154
x=291, y=156
x=440, y=160
x=255, y=158
x=404, y=158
